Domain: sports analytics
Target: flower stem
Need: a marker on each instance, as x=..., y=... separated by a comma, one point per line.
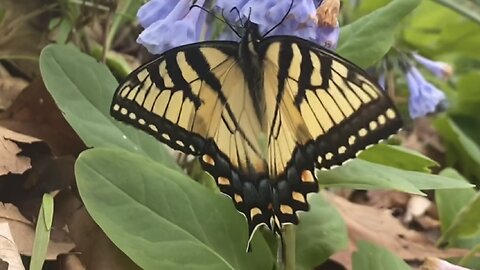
x=288, y=247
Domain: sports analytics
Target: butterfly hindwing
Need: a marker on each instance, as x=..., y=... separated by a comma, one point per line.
x=328, y=109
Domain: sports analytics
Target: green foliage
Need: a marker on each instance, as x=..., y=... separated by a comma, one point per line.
x=372, y=257
x=462, y=150
x=321, y=233
x=162, y=219
x=361, y=174
x=83, y=90
x=398, y=157
x=42, y=233
x=466, y=223
x=450, y=203
x=369, y=38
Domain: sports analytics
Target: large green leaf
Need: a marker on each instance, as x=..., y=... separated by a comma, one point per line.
x=466, y=223
x=398, y=157
x=369, y=38
x=320, y=233
x=361, y=174
x=431, y=34
x=468, y=99
x=372, y=257
x=463, y=151
x=83, y=90
x=161, y=218
x=449, y=206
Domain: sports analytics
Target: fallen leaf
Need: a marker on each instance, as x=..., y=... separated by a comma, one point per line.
x=10, y=87
x=416, y=207
x=96, y=249
x=8, y=249
x=438, y=264
x=22, y=33
x=23, y=232
x=387, y=199
x=10, y=159
x=35, y=113
x=70, y=262
x=380, y=227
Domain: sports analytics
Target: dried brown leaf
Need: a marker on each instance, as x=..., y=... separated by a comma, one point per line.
x=8, y=249
x=10, y=159
x=96, y=250
x=380, y=227
x=35, y=113
x=23, y=232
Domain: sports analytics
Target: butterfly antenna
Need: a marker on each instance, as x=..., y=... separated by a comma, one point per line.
x=239, y=15
x=223, y=19
x=281, y=21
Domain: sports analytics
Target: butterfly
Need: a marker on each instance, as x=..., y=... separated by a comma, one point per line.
x=261, y=114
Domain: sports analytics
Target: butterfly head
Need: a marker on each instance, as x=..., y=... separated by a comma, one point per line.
x=251, y=36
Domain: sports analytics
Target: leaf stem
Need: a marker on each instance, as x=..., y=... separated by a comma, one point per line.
x=289, y=247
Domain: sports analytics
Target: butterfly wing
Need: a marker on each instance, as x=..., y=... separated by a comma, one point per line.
x=195, y=99
x=328, y=110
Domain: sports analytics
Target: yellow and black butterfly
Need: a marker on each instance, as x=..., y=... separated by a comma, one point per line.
x=261, y=114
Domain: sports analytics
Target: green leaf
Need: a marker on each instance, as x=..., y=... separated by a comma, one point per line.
x=42, y=233
x=468, y=99
x=372, y=257
x=366, y=6
x=462, y=149
x=161, y=218
x=469, y=10
x=320, y=233
x=398, y=157
x=126, y=11
x=369, y=38
x=448, y=206
x=83, y=90
x=361, y=174
x=466, y=223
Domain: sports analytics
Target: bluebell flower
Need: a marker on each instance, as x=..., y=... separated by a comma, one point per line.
x=441, y=70
x=171, y=24
x=328, y=36
x=227, y=6
x=181, y=26
x=382, y=80
x=153, y=11
x=265, y=13
x=424, y=97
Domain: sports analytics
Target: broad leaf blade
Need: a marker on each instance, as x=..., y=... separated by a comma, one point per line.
x=398, y=157
x=361, y=174
x=369, y=38
x=320, y=233
x=83, y=90
x=372, y=257
x=161, y=218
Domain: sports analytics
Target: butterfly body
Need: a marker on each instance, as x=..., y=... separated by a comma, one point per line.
x=219, y=99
